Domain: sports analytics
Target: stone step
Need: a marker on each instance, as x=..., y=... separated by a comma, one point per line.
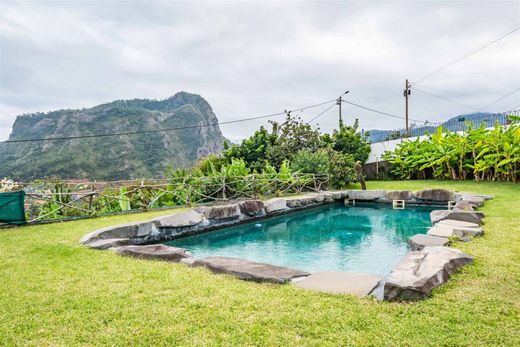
x=419, y=241
x=358, y=284
x=154, y=252
x=249, y=270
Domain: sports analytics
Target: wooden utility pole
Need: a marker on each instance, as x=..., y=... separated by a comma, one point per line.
x=407, y=92
x=338, y=102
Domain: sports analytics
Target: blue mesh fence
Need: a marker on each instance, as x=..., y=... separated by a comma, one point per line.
x=459, y=123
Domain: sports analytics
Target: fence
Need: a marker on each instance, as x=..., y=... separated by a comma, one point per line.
x=455, y=124
x=65, y=201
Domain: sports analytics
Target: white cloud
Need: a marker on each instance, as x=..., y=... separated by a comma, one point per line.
x=254, y=58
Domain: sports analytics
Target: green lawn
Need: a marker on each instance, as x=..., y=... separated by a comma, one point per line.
x=54, y=292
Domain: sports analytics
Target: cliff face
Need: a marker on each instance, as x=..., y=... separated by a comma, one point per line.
x=114, y=157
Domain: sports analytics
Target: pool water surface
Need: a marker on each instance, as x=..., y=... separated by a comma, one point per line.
x=366, y=238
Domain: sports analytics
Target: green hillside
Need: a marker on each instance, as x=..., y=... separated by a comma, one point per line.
x=115, y=157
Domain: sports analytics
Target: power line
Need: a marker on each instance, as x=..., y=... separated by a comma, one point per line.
x=380, y=112
x=474, y=51
x=499, y=99
x=167, y=129
x=444, y=98
x=320, y=114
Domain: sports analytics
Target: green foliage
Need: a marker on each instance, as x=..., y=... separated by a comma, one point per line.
x=483, y=154
x=348, y=140
x=311, y=162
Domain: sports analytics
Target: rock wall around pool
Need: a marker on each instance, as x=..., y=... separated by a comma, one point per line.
x=205, y=218
x=428, y=264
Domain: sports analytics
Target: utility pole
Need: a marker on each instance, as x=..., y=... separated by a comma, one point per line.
x=407, y=92
x=338, y=102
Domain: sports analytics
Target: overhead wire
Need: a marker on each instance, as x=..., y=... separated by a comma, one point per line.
x=321, y=114
x=444, y=98
x=166, y=129
x=497, y=38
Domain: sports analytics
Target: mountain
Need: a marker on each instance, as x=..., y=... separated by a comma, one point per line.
x=114, y=157
x=457, y=123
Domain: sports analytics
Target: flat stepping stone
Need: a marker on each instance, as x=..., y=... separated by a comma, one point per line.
x=419, y=241
x=451, y=228
x=154, y=252
x=107, y=243
x=249, y=270
x=358, y=284
x=472, y=217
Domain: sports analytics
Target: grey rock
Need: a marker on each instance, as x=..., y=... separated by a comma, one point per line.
x=337, y=195
x=399, y=195
x=184, y=219
x=220, y=212
x=108, y=243
x=439, y=195
x=154, y=252
x=464, y=205
x=249, y=270
x=251, y=208
x=275, y=205
x=122, y=231
x=471, y=217
x=301, y=201
x=419, y=241
x=358, y=284
x=454, y=228
x=419, y=272
x=367, y=194
x=327, y=197
x=470, y=196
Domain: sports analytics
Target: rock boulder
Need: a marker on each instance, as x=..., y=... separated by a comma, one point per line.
x=464, y=216
x=220, y=212
x=185, y=219
x=252, y=208
x=419, y=272
x=399, y=195
x=368, y=195
x=438, y=195
x=275, y=205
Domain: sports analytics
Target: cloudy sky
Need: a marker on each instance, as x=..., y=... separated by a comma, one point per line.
x=255, y=58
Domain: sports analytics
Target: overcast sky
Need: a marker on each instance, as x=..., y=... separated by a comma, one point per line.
x=254, y=58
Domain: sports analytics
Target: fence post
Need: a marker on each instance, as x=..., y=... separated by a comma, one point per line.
x=224, y=188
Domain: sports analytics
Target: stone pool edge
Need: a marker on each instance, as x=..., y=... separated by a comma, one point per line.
x=428, y=264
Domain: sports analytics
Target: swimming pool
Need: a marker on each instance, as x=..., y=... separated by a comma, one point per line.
x=369, y=238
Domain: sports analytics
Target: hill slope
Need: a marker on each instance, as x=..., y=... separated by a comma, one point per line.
x=115, y=157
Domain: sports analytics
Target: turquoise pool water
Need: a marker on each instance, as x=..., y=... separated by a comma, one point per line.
x=365, y=238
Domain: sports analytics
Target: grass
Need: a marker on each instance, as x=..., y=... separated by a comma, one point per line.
x=55, y=292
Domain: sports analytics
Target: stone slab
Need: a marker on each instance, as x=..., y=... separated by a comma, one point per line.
x=180, y=220
x=471, y=217
x=154, y=252
x=399, y=195
x=249, y=270
x=419, y=241
x=367, y=195
x=121, y=231
x=419, y=272
x=358, y=284
x=438, y=195
x=108, y=243
x=251, y=208
x=220, y=212
x=275, y=205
